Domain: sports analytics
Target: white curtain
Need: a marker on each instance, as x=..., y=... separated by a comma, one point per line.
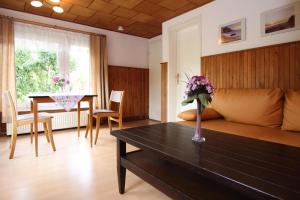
x=37, y=38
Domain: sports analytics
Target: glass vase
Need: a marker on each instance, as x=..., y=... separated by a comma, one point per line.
x=198, y=138
x=61, y=90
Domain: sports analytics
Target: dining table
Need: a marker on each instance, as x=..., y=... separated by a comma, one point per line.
x=64, y=100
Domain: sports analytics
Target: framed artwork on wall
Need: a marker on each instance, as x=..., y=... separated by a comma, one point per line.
x=233, y=31
x=280, y=20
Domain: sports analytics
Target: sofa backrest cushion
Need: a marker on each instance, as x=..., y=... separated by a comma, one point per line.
x=291, y=111
x=207, y=114
x=262, y=107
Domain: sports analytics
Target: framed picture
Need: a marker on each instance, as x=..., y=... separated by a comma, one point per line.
x=282, y=19
x=232, y=32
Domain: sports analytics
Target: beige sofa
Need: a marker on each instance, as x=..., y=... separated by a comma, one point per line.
x=264, y=114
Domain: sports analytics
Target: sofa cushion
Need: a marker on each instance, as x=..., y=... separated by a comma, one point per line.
x=275, y=135
x=188, y=115
x=207, y=114
x=291, y=111
x=262, y=107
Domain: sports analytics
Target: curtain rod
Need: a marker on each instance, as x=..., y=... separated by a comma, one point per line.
x=54, y=26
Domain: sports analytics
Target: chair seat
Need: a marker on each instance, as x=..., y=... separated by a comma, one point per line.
x=30, y=117
x=104, y=111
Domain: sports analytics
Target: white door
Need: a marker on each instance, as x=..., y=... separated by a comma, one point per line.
x=188, y=61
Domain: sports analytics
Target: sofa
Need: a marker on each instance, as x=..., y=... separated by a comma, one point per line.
x=264, y=114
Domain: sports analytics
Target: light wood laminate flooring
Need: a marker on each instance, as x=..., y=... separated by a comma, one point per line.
x=74, y=171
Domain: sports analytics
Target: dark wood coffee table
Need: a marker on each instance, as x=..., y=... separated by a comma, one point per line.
x=224, y=167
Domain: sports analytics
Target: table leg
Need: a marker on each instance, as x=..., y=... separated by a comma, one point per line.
x=35, y=125
x=91, y=120
x=78, y=119
x=121, y=151
x=31, y=125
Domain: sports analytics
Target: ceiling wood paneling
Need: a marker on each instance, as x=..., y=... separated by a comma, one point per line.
x=138, y=17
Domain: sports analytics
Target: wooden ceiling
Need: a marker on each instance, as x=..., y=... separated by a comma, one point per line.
x=138, y=17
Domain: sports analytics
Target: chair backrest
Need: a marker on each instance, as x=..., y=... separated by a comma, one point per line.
x=117, y=97
x=10, y=106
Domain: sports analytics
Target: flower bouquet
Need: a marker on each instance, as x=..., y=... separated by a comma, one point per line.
x=60, y=82
x=199, y=88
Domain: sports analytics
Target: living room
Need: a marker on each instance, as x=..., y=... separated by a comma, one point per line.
x=187, y=99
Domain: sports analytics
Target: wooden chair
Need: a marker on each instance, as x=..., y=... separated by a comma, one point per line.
x=117, y=116
x=27, y=119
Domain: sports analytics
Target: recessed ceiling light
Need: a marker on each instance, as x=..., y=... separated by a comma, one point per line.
x=55, y=1
x=120, y=28
x=36, y=3
x=58, y=9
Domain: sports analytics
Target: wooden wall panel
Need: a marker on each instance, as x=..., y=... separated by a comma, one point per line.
x=276, y=66
x=135, y=83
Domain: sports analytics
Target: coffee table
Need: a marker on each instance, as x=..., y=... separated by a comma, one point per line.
x=224, y=167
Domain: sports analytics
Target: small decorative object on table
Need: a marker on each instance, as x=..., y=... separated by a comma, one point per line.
x=199, y=88
x=60, y=82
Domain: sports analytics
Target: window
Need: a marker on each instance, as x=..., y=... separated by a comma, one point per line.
x=42, y=53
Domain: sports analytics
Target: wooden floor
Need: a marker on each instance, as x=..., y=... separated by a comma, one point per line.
x=74, y=171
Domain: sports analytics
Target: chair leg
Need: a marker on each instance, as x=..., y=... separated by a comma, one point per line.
x=31, y=133
x=50, y=134
x=97, y=128
x=13, y=143
x=109, y=124
x=87, y=126
x=46, y=132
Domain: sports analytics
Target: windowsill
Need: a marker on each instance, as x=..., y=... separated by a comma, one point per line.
x=50, y=107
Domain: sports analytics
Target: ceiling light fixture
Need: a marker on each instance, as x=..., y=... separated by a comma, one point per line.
x=120, y=28
x=36, y=3
x=58, y=9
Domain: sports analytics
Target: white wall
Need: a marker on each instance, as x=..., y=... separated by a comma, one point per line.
x=213, y=15
x=123, y=49
x=155, y=57
x=222, y=11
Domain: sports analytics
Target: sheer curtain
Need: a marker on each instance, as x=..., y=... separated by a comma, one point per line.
x=39, y=38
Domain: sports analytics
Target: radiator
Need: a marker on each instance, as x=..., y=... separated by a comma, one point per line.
x=61, y=120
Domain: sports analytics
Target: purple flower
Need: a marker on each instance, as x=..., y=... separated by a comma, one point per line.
x=60, y=81
x=209, y=89
x=198, y=85
x=194, y=87
x=55, y=79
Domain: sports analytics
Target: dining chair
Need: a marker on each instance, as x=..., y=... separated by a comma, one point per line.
x=112, y=115
x=27, y=119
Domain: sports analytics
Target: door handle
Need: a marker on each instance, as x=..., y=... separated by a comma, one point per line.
x=177, y=77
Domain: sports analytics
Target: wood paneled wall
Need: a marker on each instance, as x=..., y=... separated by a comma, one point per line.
x=276, y=66
x=135, y=83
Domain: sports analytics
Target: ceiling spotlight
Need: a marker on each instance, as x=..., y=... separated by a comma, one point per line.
x=120, y=28
x=55, y=1
x=36, y=3
x=58, y=9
